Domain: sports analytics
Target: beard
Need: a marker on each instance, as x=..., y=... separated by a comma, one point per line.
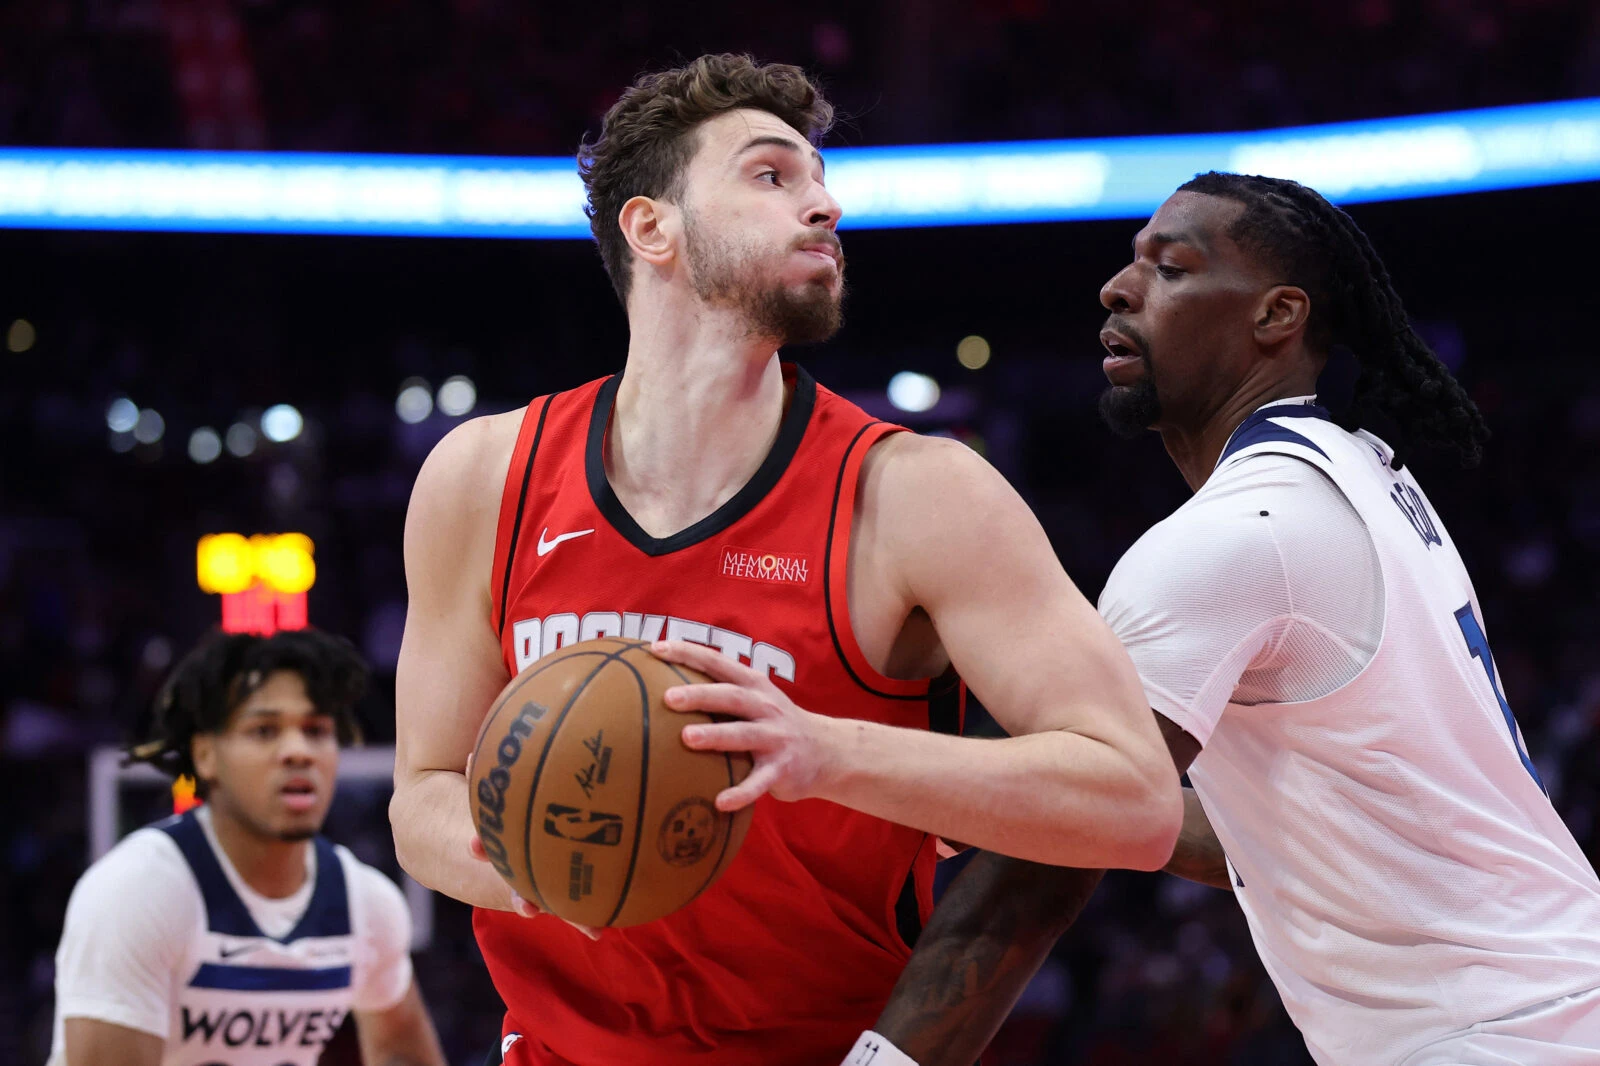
x=1129, y=410
x=728, y=273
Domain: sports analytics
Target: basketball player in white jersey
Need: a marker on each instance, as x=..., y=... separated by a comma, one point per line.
x=235, y=935
x=1312, y=645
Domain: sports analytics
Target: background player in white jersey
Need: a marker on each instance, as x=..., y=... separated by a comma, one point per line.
x=1305, y=618
x=235, y=935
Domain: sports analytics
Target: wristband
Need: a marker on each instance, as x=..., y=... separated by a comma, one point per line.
x=873, y=1049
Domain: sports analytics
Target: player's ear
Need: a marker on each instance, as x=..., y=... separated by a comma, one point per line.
x=1281, y=315
x=203, y=751
x=652, y=229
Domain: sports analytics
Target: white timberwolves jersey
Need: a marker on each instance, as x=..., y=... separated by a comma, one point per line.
x=1403, y=873
x=163, y=936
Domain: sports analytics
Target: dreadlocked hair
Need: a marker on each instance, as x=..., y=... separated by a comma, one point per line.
x=224, y=669
x=1320, y=249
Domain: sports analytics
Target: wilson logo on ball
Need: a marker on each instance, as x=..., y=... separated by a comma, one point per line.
x=585, y=827
x=492, y=787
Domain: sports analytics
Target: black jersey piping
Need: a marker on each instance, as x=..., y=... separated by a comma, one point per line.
x=790, y=432
x=944, y=703
x=827, y=576
x=516, y=526
x=907, y=914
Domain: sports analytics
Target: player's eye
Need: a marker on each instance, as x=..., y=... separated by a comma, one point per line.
x=773, y=174
x=264, y=732
x=318, y=731
x=1167, y=270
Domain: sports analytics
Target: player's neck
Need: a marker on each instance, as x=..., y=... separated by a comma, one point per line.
x=274, y=868
x=697, y=411
x=1196, y=446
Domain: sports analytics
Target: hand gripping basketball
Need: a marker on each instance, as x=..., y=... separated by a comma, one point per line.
x=789, y=745
x=524, y=908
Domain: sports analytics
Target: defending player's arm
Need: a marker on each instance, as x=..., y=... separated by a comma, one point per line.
x=990, y=933
x=1082, y=781
x=392, y=1023
x=92, y=1042
x=1198, y=855
x=401, y=1035
x=450, y=668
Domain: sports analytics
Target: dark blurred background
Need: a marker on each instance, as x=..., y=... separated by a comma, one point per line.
x=97, y=529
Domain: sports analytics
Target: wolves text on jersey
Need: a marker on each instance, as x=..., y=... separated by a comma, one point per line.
x=534, y=638
x=262, y=1028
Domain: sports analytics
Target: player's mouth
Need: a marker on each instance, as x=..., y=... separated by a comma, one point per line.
x=825, y=251
x=299, y=794
x=1124, y=363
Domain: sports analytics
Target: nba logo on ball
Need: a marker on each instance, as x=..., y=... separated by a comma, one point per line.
x=586, y=827
x=689, y=832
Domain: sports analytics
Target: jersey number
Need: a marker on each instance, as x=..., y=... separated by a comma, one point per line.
x=1478, y=645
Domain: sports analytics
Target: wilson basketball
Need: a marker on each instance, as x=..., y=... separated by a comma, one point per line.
x=584, y=796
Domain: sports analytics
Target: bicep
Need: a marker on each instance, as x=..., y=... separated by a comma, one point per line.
x=92, y=1042
x=1014, y=625
x=450, y=666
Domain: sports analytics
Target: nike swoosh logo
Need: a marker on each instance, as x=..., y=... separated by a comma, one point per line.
x=548, y=546
x=229, y=952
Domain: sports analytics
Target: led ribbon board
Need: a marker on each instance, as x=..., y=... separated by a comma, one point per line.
x=931, y=185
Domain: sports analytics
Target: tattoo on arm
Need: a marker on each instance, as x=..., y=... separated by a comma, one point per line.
x=1199, y=855
x=990, y=933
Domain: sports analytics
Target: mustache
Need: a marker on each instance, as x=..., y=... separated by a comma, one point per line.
x=1123, y=326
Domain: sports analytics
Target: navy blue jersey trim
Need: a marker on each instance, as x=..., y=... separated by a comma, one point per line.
x=225, y=911
x=269, y=978
x=327, y=913
x=1257, y=429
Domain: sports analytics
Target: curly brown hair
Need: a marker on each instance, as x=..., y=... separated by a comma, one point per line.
x=225, y=669
x=645, y=143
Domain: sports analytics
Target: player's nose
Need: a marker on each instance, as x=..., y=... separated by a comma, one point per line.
x=822, y=209
x=1120, y=293
x=294, y=746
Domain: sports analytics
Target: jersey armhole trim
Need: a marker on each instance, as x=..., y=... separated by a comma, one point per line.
x=835, y=571
x=501, y=591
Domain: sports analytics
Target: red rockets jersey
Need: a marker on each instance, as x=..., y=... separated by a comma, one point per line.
x=795, y=949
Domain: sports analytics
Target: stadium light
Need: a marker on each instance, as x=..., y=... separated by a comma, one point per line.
x=415, y=402
x=910, y=391
x=204, y=445
x=457, y=396
x=921, y=185
x=281, y=422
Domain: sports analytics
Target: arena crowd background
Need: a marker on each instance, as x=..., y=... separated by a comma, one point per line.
x=98, y=526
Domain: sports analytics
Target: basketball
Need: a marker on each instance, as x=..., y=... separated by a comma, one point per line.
x=584, y=796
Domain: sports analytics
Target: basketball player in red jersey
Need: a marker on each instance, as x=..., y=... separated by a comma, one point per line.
x=831, y=573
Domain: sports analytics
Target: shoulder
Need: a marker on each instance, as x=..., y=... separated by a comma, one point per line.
x=455, y=503
x=1244, y=520
x=143, y=884
x=147, y=858
x=1200, y=550
x=909, y=471
x=472, y=457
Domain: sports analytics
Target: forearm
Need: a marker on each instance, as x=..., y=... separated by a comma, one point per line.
x=432, y=831
x=1199, y=855
x=990, y=933
x=1052, y=797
